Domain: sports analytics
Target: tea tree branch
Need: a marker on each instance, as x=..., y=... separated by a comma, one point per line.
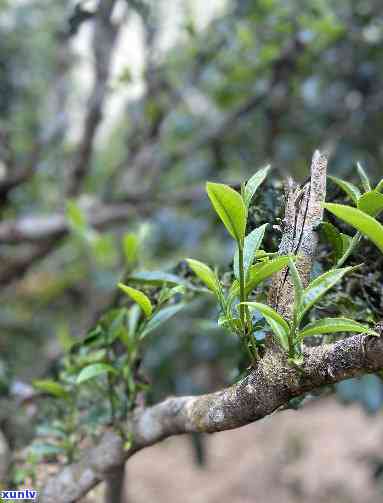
x=268, y=387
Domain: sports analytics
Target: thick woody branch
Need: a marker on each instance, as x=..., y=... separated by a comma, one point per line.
x=269, y=387
x=104, y=37
x=39, y=228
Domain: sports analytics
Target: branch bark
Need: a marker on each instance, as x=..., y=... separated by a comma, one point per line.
x=303, y=214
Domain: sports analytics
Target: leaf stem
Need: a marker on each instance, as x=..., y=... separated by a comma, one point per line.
x=244, y=312
x=242, y=294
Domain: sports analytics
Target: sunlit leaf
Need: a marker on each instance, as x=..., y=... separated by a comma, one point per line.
x=363, y=177
x=253, y=183
x=159, y=318
x=371, y=203
x=51, y=387
x=277, y=323
x=205, y=274
x=139, y=297
x=252, y=243
x=230, y=207
x=319, y=286
x=364, y=223
x=334, y=325
x=349, y=188
x=95, y=370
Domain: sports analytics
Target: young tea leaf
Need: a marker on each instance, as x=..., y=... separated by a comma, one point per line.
x=334, y=325
x=260, y=272
x=279, y=325
x=205, y=274
x=364, y=223
x=140, y=298
x=252, y=243
x=51, y=387
x=371, y=203
x=350, y=189
x=363, y=177
x=230, y=208
x=160, y=318
x=253, y=183
x=232, y=295
x=319, y=286
x=92, y=371
x=379, y=187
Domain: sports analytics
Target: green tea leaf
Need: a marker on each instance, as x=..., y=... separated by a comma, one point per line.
x=363, y=177
x=92, y=371
x=205, y=274
x=346, y=242
x=260, y=272
x=230, y=207
x=159, y=278
x=252, y=243
x=168, y=293
x=364, y=223
x=379, y=187
x=232, y=295
x=332, y=235
x=319, y=286
x=349, y=188
x=371, y=203
x=51, y=387
x=140, y=298
x=130, y=245
x=253, y=183
x=334, y=325
x=133, y=319
x=279, y=325
x=160, y=318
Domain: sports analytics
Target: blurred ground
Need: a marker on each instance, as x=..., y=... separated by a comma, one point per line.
x=324, y=453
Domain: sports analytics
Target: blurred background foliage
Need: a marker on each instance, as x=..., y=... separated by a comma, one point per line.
x=260, y=81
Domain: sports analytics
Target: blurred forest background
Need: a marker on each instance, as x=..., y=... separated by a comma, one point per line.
x=113, y=114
